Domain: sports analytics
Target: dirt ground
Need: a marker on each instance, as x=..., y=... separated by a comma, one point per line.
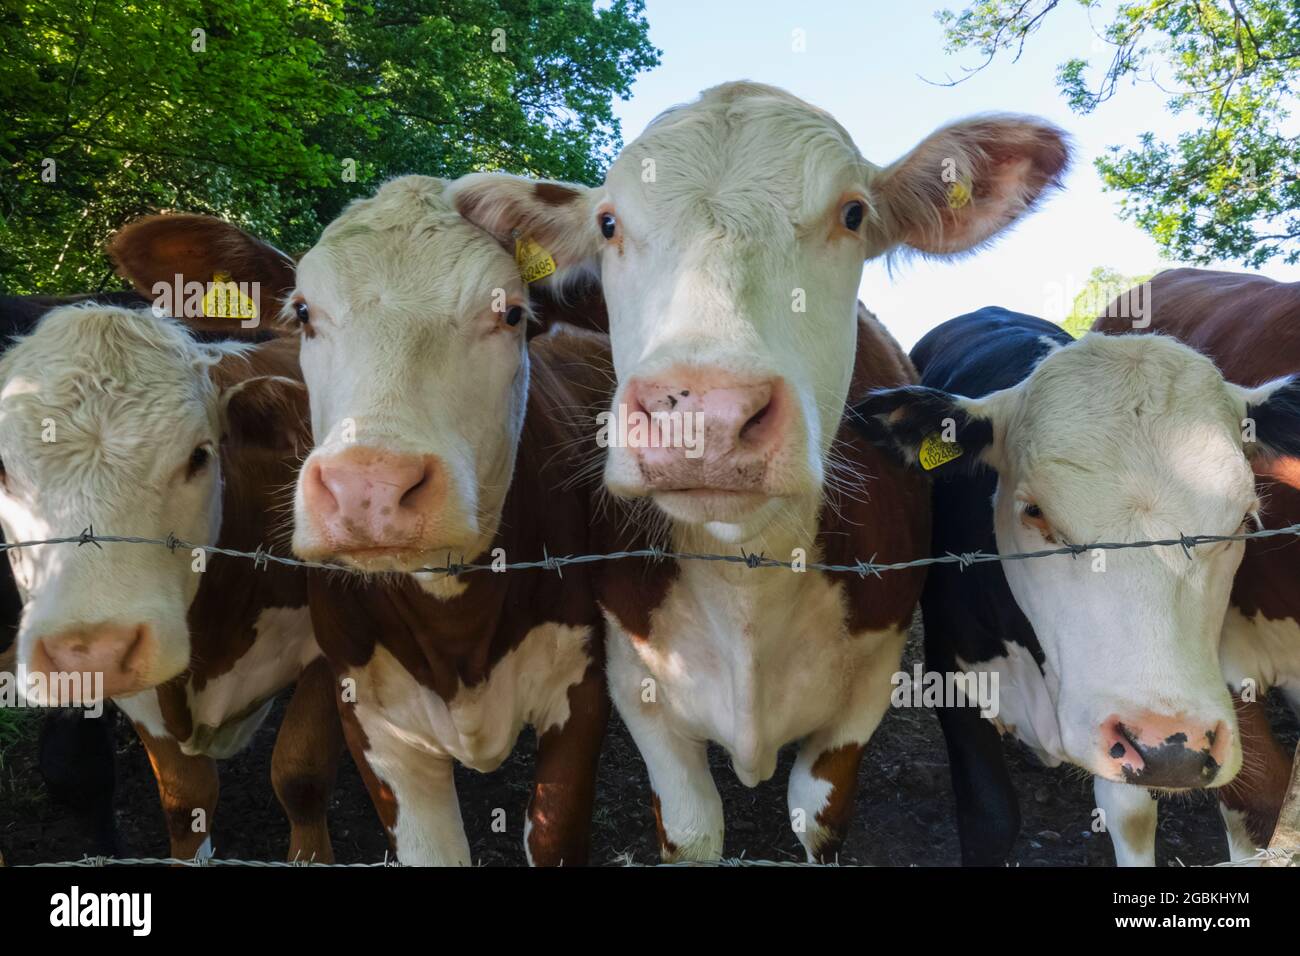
x=904, y=814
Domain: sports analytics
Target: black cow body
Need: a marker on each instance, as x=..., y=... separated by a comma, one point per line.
x=971, y=614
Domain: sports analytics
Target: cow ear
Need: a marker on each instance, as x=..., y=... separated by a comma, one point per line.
x=152, y=252
x=269, y=412
x=928, y=428
x=967, y=182
x=1271, y=427
x=560, y=218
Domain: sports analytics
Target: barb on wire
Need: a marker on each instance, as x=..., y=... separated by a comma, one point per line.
x=262, y=558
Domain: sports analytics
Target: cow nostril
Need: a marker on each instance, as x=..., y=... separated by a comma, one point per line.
x=409, y=496
x=755, y=421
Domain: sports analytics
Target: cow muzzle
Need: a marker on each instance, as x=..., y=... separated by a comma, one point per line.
x=367, y=503
x=704, y=432
x=1168, y=752
x=83, y=665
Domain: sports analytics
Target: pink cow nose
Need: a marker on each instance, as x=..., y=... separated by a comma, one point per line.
x=370, y=498
x=728, y=428
x=1157, y=750
x=123, y=654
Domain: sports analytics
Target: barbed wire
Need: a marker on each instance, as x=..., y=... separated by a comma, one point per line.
x=261, y=558
x=1264, y=856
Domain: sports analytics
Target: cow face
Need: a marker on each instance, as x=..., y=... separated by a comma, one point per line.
x=1118, y=440
x=413, y=350
x=729, y=238
x=108, y=419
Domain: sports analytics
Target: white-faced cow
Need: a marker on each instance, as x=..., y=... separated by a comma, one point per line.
x=442, y=436
x=1108, y=661
x=1250, y=327
x=729, y=239
x=122, y=421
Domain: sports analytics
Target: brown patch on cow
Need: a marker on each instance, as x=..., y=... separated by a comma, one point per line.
x=839, y=768
x=267, y=432
x=887, y=514
x=581, y=307
x=667, y=848
x=1259, y=790
x=553, y=194
x=564, y=784
x=173, y=705
x=186, y=784
x=305, y=762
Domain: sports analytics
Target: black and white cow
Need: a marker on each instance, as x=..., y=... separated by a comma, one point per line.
x=1108, y=661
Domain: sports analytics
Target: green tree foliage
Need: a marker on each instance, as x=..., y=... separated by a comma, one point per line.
x=1104, y=285
x=1229, y=188
x=279, y=112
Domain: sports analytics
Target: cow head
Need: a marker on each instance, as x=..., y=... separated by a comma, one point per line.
x=729, y=239
x=1132, y=438
x=413, y=349
x=115, y=420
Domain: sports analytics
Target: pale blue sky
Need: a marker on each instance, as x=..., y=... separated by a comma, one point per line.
x=861, y=64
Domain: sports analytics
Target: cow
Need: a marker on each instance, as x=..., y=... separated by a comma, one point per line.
x=451, y=425
x=75, y=750
x=1250, y=327
x=729, y=239
x=121, y=421
x=1107, y=661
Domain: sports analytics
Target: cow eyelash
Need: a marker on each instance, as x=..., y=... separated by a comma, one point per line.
x=1032, y=516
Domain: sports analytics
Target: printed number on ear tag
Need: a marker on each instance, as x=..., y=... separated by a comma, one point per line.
x=935, y=451
x=534, y=261
x=226, y=300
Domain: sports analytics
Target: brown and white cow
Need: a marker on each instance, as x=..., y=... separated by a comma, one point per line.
x=1250, y=327
x=122, y=421
x=442, y=435
x=413, y=326
x=729, y=239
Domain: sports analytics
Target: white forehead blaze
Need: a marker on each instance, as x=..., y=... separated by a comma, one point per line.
x=748, y=165
x=97, y=399
x=1123, y=435
x=405, y=255
x=402, y=291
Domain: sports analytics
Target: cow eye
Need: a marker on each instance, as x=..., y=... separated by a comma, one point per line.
x=852, y=214
x=1033, y=511
x=514, y=315
x=608, y=224
x=199, y=459
x=301, y=312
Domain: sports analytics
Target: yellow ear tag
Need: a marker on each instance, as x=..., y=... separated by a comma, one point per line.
x=959, y=195
x=225, y=300
x=935, y=451
x=534, y=261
